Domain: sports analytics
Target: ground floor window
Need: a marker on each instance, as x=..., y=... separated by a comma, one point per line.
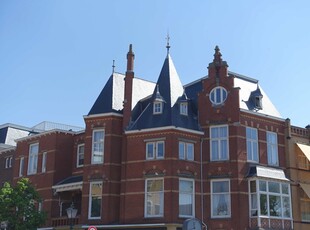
x=186, y=198
x=220, y=198
x=270, y=199
x=95, y=197
x=154, y=197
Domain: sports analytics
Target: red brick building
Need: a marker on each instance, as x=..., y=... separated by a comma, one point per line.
x=155, y=154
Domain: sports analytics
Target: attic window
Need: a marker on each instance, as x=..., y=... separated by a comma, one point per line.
x=183, y=108
x=258, y=102
x=157, y=107
x=218, y=95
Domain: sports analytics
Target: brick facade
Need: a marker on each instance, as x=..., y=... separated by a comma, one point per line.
x=122, y=178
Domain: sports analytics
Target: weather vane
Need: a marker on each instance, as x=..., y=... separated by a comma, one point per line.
x=168, y=44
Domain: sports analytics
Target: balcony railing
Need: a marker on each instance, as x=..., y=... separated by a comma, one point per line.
x=64, y=221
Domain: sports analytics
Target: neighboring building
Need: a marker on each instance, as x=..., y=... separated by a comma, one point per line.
x=8, y=134
x=155, y=154
x=298, y=156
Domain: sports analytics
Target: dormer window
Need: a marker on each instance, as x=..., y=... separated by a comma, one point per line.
x=158, y=107
x=183, y=108
x=256, y=99
x=218, y=95
x=258, y=102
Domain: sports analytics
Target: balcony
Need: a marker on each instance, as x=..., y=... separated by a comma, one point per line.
x=64, y=221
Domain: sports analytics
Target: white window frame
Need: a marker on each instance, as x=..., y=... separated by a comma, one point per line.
x=80, y=154
x=218, y=141
x=266, y=192
x=225, y=194
x=91, y=198
x=95, y=146
x=154, y=145
x=190, y=194
x=33, y=159
x=272, y=148
x=218, y=99
x=21, y=166
x=44, y=161
x=184, y=152
x=252, y=144
x=148, y=201
x=184, y=108
x=157, y=107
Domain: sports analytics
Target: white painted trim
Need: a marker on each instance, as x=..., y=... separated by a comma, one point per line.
x=262, y=115
x=102, y=115
x=68, y=187
x=46, y=133
x=164, y=128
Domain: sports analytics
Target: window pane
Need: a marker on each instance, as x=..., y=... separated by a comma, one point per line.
x=154, y=198
x=253, y=186
x=286, y=207
x=98, y=144
x=150, y=150
x=214, y=132
x=224, y=155
x=190, y=151
x=95, y=197
x=185, y=198
x=263, y=205
x=154, y=185
x=182, y=150
x=274, y=187
x=262, y=186
x=220, y=205
x=285, y=189
x=275, y=205
x=220, y=186
x=95, y=207
x=253, y=204
x=215, y=150
x=160, y=149
x=305, y=210
x=223, y=131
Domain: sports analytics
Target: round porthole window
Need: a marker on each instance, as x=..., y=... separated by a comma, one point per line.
x=218, y=95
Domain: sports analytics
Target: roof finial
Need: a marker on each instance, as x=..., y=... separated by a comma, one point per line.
x=113, y=66
x=168, y=44
x=217, y=56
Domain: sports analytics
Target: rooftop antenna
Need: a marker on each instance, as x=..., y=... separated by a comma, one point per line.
x=168, y=44
x=113, y=67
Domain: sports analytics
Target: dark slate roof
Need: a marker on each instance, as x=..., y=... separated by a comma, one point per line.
x=170, y=91
x=70, y=180
x=112, y=95
x=3, y=134
x=103, y=104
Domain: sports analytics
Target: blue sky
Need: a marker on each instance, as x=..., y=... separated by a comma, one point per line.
x=56, y=56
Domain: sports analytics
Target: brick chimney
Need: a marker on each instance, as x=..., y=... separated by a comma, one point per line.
x=128, y=88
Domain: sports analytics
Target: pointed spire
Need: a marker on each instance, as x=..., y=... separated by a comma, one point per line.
x=217, y=56
x=168, y=44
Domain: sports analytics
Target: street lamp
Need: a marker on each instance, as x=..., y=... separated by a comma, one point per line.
x=71, y=213
x=4, y=225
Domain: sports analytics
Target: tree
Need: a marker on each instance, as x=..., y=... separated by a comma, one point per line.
x=19, y=206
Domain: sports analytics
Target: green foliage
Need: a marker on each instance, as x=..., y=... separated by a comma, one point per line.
x=19, y=206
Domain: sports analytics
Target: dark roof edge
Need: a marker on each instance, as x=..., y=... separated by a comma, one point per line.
x=249, y=79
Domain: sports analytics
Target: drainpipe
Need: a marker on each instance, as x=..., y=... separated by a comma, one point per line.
x=201, y=185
